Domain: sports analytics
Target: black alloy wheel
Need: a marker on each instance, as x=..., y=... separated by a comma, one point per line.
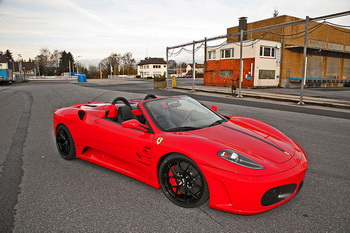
x=65, y=143
x=182, y=181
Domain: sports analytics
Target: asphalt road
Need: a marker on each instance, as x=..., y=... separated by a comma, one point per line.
x=41, y=192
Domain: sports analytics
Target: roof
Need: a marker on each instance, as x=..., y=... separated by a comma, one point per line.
x=25, y=65
x=197, y=65
x=152, y=60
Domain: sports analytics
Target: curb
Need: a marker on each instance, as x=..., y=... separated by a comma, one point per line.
x=280, y=97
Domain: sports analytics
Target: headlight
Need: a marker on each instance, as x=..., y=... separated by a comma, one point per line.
x=239, y=159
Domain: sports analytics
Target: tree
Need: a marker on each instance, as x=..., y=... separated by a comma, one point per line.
x=66, y=62
x=275, y=13
x=93, y=72
x=128, y=63
x=183, y=65
x=53, y=62
x=172, y=64
x=9, y=55
x=43, y=60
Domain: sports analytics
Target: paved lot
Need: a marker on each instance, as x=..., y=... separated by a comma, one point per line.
x=40, y=192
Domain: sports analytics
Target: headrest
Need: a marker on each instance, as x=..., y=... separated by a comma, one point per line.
x=111, y=111
x=125, y=112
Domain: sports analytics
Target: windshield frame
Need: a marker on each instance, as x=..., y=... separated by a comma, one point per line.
x=205, y=122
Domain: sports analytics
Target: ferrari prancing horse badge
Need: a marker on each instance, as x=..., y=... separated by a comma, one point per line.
x=159, y=140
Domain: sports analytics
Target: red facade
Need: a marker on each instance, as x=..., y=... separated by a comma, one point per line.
x=213, y=68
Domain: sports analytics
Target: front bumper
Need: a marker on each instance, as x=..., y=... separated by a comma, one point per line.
x=241, y=194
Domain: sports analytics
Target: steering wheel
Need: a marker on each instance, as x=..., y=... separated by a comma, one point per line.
x=188, y=115
x=150, y=96
x=125, y=101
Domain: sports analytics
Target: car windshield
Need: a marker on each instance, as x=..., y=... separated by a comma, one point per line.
x=182, y=113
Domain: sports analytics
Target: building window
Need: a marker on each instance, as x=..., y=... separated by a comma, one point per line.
x=211, y=55
x=226, y=73
x=267, y=52
x=226, y=53
x=267, y=74
x=156, y=66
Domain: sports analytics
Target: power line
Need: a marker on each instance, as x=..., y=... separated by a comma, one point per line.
x=345, y=13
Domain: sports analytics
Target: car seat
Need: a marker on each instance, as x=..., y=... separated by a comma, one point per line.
x=124, y=114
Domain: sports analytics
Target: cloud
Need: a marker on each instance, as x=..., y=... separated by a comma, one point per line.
x=94, y=29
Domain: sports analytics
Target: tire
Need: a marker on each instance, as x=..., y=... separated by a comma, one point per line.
x=182, y=181
x=65, y=143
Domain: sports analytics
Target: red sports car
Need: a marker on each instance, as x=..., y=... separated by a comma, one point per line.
x=193, y=153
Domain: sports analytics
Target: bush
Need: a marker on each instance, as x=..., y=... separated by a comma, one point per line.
x=159, y=78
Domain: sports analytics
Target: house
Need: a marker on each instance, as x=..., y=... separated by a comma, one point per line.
x=3, y=62
x=23, y=67
x=261, y=64
x=199, y=68
x=5, y=73
x=328, y=54
x=151, y=67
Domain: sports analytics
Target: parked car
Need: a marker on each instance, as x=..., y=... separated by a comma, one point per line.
x=192, y=152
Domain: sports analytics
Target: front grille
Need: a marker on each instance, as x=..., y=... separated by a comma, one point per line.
x=277, y=194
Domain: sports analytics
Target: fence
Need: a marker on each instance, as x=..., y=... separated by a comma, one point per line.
x=43, y=78
x=121, y=76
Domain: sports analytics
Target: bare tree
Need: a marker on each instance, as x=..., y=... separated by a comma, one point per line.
x=128, y=63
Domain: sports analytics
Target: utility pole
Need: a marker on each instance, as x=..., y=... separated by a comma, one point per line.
x=240, y=65
x=78, y=64
x=69, y=68
x=205, y=54
x=19, y=64
x=303, y=81
x=167, y=68
x=194, y=66
x=100, y=72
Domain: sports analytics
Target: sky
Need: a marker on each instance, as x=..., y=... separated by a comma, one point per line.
x=93, y=29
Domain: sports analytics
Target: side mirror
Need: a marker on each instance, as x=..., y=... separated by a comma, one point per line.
x=134, y=124
x=214, y=108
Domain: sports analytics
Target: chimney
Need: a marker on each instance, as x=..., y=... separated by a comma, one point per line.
x=242, y=26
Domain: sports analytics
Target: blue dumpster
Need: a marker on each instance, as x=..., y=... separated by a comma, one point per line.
x=82, y=78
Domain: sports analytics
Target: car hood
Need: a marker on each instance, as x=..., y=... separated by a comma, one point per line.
x=268, y=144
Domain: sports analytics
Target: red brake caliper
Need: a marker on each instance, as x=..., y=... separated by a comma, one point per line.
x=173, y=181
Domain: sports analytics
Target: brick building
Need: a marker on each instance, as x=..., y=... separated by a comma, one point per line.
x=328, y=54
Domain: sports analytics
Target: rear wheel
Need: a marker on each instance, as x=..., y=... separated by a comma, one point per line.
x=182, y=181
x=65, y=143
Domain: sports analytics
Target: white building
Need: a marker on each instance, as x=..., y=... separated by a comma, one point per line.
x=199, y=68
x=151, y=67
x=264, y=58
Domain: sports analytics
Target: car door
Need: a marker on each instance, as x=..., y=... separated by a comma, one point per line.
x=126, y=148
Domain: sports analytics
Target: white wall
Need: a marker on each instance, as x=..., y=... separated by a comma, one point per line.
x=198, y=70
x=3, y=66
x=263, y=63
x=150, y=71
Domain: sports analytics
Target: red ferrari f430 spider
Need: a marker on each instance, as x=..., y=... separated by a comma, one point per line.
x=193, y=153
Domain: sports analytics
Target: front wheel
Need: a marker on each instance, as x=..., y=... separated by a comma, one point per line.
x=65, y=143
x=182, y=181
